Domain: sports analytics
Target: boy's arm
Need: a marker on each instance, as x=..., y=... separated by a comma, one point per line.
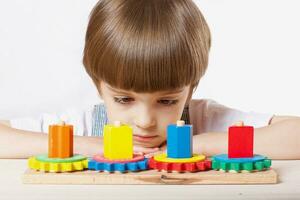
x=17, y=143
x=7, y=123
x=279, y=140
x=276, y=118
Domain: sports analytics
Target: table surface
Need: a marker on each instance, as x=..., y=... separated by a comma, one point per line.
x=11, y=187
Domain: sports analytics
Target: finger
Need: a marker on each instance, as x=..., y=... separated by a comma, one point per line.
x=139, y=153
x=153, y=154
x=145, y=150
x=148, y=155
x=139, y=148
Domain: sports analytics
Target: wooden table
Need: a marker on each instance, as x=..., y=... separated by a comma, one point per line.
x=12, y=187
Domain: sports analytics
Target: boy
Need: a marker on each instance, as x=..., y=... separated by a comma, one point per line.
x=146, y=57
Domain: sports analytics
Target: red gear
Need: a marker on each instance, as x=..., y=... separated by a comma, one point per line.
x=180, y=167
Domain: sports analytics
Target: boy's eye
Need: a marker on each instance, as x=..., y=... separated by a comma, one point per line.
x=167, y=102
x=123, y=100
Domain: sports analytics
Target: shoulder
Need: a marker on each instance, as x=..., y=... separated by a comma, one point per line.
x=80, y=118
x=208, y=115
x=204, y=105
x=199, y=110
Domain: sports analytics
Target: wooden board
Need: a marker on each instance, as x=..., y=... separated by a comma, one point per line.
x=150, y=177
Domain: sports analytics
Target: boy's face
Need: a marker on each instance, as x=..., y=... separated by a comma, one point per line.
x=149, y=114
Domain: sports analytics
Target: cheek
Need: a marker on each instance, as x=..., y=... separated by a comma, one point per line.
x=114, y=113
x=166, y=118
x=171, y=115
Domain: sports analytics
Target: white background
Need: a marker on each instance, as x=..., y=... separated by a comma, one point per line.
x=254, y=60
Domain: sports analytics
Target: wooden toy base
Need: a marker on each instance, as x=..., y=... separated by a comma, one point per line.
x=149, y=177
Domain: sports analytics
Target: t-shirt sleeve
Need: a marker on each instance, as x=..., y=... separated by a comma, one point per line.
x=207, y=115
x=80, y=119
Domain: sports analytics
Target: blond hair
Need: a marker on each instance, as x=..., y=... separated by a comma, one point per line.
x=146, y=45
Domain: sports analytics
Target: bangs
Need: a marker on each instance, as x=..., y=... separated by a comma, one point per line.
x=146, y=47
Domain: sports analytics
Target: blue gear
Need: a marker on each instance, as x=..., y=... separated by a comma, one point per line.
x=121, y=167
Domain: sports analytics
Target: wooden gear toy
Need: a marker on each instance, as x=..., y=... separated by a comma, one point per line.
x=240, y=155
x=118, y=151
x=60, y=157
x=179, y=157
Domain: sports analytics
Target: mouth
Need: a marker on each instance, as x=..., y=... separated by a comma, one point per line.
x=140, y=138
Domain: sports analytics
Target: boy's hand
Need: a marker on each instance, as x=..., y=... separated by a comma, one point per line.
x=144, y=150
x=149, y=152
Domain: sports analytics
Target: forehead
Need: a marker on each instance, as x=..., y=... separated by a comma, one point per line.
x=106, y=87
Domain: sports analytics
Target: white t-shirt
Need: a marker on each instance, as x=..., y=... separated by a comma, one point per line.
x=205, y=115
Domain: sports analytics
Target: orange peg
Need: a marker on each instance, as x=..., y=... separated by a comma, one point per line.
x=60, y=142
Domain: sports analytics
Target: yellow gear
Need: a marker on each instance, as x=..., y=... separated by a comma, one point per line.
x=33, y=163
x=163, y=158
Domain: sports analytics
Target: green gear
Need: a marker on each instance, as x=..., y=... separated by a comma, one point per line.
x=248, y=166
x=45, y=158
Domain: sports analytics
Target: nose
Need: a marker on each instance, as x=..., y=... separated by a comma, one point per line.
x=145, y=119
